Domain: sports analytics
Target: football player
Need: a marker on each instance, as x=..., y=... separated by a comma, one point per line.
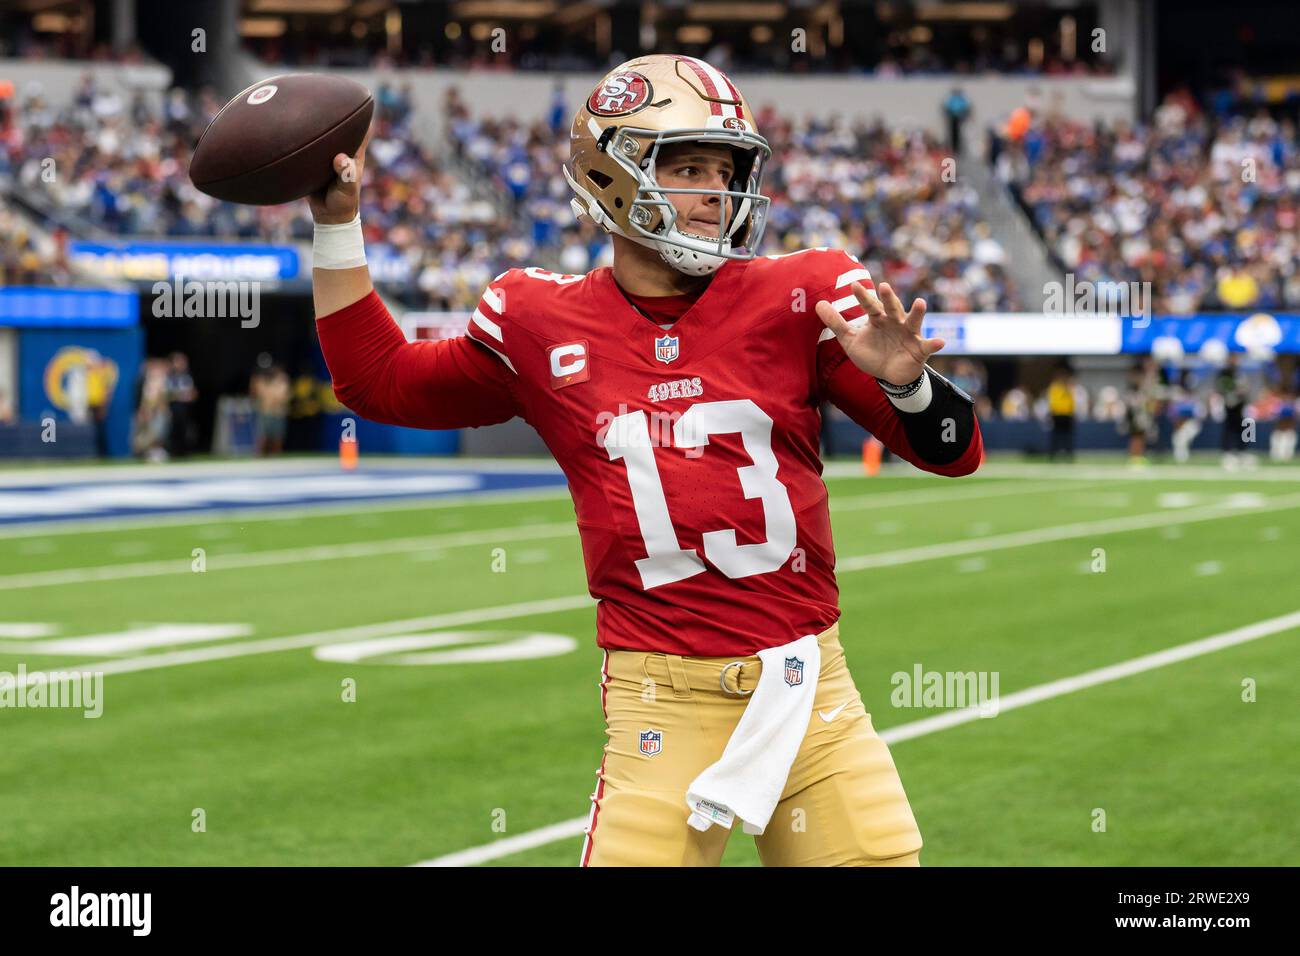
x=680, y=391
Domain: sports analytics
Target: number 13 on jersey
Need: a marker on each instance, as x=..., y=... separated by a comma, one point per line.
x=628, y=438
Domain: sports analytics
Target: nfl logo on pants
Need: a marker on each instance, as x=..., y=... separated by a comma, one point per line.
x=652, y=741
x=793, y=671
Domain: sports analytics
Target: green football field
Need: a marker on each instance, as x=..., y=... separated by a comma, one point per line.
x=282, y=737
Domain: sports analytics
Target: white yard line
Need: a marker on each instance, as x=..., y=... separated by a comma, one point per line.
x=1119, y=472
x=577, y=601
x=928, y=725
x=966, y=491
x=362, y=549
x=946, y=491
x=1063, y=532
x=148, y=662
x=512, y=845
x=262, y=559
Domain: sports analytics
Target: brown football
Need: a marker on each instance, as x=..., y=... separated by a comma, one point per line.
x=276, y=141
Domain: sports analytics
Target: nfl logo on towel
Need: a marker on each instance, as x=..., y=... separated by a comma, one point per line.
x=652, y=741
x=666, y=348
x=793, y=672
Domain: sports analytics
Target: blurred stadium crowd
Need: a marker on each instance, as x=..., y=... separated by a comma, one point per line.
x=1204, y=207
x=498, y=199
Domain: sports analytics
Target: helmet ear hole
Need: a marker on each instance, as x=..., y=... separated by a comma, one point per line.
x=600, y=179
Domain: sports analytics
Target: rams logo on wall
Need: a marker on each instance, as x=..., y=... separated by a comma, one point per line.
x=1259, y=335
x=78, y=378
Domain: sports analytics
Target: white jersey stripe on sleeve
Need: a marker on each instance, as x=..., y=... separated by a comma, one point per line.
x=853, y=275
x=846, y=304
x=494, y=302
x=487, y=325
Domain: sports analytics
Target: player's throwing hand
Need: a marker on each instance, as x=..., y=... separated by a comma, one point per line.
x=889, y=344
x=340, y=201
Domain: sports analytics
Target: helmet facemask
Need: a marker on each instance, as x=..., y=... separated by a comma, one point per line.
x=652, y=217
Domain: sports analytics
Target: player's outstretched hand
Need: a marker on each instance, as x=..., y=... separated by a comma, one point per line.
x=340, y=201
x=889, y=344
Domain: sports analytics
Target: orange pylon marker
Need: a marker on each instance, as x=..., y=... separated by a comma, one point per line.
x=349, y=452
x=872, y=450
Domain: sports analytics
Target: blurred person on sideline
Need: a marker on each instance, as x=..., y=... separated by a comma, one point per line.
x=181, y=396
x=1186, y=416
x=1230, y=386
x=1281, y=444
x=1140, y=402
x=101, y=377
x=153, y=412
x=1061, y=408
x=270, y=391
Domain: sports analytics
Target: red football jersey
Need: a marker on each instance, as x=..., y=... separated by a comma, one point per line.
x=691, y=453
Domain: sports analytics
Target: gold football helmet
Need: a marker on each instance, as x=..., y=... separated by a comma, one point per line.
x=641, y=106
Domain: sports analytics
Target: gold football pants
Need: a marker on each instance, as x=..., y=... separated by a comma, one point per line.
x=669, y=717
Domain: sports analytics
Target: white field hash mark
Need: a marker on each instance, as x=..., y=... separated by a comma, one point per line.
x=929, y=725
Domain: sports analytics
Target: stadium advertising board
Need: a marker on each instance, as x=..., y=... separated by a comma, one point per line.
x=151, y=261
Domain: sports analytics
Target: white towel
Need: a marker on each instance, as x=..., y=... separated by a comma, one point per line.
x=747, y=780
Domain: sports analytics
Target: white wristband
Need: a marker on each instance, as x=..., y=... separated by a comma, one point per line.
x=338, y=245
x=919, y=400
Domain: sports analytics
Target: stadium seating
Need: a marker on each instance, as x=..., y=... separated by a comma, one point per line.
x=1205, y=211
x=499, y=200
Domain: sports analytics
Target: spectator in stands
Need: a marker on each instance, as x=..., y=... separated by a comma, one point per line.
x=956, y=110
x=7, y=414
x=448, y=227
x=1206, y=211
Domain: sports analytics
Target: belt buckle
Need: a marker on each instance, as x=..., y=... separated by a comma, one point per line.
x=722, y=679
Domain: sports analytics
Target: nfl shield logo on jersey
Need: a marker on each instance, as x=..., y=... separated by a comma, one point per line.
x=666, y=348
x=793, y=672
x=652, y=741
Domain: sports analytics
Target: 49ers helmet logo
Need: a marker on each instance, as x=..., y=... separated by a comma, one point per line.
x=619, y=94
